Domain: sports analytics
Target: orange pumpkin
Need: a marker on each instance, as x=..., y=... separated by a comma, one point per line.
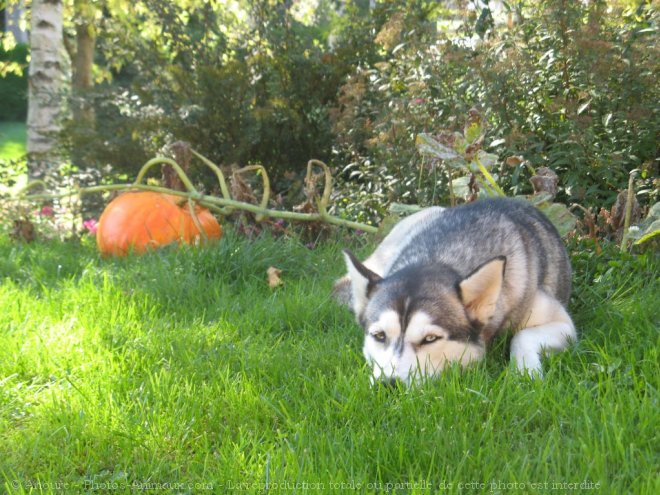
x=138, y=221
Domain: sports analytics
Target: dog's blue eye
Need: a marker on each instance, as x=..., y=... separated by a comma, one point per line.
x=379, y=336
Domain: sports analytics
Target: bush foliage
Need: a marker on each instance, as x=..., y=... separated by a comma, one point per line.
x=13, y=87
x=567, y=85
x=563, y=85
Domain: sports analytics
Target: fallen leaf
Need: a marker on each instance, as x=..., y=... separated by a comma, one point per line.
x=514, y=160
x=274, y=277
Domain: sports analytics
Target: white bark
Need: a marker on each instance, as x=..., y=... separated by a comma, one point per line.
x=45, y=86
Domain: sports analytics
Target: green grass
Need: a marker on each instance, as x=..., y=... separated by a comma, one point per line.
x=13, y=166
x=12, y=140
x=182, y=372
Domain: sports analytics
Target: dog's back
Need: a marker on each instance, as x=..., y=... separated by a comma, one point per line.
x=467, y=236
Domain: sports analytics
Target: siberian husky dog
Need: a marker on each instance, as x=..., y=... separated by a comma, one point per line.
x=445, y=282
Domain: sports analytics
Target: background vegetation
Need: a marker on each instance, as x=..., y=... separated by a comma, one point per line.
x=549, y=83
x=182, y=371
x=568, y=85
x=13, y=86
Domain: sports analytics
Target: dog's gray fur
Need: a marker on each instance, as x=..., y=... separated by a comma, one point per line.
x=458, y=277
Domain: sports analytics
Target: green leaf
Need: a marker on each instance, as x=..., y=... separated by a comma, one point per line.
x=647, y=237
x=472, y=132
x=583, y=107
x=491, y=180
x=461, y=186
x=458, y=164
x=486, y=190
x=398, y=47
x=558, y=213
x=648, y=228
x=560, y=216
x=429, y=146
x=401, y=209
x=460, y=144
x=487, y=159
x=8, y=42
x=539, y=199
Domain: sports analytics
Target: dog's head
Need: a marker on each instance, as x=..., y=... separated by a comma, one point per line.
x=420, y=319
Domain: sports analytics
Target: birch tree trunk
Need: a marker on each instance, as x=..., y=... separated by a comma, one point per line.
x=45, y=87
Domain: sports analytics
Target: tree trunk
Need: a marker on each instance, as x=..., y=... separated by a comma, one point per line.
x=45, y=87
x=82, y=58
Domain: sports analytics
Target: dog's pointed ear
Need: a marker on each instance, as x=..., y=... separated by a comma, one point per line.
x=362, y=281
x=481, y=289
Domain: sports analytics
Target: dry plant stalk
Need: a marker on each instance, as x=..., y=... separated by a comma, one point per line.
x=222, y=205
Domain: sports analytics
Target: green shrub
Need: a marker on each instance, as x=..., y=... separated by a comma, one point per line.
x=13, y=87
x=261, y=97
x=568, y=86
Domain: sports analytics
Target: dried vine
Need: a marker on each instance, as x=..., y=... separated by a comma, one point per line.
x=222, y=205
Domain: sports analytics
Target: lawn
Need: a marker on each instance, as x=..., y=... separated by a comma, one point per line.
x=13, y=173
x=183, y=372
x=12, y=140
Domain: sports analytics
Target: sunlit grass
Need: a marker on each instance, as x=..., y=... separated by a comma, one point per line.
x=13, y=171
x=183, y=372
x=12, y=140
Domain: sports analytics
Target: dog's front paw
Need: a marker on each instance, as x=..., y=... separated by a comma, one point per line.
x=526, y=358
x=529, y=365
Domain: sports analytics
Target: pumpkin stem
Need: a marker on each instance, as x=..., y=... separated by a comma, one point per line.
x=195, y=219
x=32, y=185
x=182, y=155
x=218, y=173
x=168, y=161
x=322, y=204
x=222, y=205
x=266, y=186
